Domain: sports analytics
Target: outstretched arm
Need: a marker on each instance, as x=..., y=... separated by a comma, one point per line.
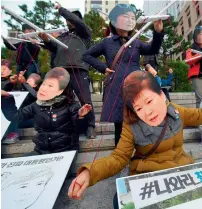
x=11, y=112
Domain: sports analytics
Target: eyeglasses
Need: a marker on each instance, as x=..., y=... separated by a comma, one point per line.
x=133, y=8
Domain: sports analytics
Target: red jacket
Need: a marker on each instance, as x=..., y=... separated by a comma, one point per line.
x=194, y=65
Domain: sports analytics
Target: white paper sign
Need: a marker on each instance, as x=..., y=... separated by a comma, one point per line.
x=33, y=182
x=19, y=98
x=156, y=189
x=176, y=188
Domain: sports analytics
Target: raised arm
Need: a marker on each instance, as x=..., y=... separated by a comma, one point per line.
x=30, y=89
x=81, y=28
x=48, y=44
x=92, y=54
x=153, y=47
x=168, y=81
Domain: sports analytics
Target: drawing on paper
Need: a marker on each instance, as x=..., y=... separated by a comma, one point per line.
x=22, y=190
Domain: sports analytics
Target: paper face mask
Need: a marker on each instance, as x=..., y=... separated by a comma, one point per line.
x=122, y=17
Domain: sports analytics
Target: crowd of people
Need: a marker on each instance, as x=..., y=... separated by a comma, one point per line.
x=135, y=100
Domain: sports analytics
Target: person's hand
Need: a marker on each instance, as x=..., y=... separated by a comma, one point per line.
x=34, y=41
x=4, y=93
x=79, y=185
x=43, y=36
x=108, y=71
x=170, y=70
x=22, y=72
x=14, y=79
x=158, y=26
x=84, y=110
x=21, y=78
x=57, y=5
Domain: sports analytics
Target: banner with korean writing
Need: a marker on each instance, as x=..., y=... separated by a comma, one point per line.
x=171, y=188
x=33, y=182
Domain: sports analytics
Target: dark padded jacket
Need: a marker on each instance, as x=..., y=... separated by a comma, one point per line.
x=55, y=125
x=77, y=40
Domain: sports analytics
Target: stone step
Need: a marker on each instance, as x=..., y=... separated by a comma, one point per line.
x=173, y=96
x=102, y=142
x=193, y=149
x=108, y=128
x=101, y=128
x=185, y=103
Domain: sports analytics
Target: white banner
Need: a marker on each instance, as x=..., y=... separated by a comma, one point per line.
x=151, y=190
x=176, y=188
x=19, y=98
x=33, y=182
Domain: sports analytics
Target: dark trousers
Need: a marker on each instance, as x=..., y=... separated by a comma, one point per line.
x=166, y=92
x=115, y=202
x=118, y=130
x=80, y=83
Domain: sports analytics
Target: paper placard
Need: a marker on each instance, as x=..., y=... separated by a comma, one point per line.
x=168, y=188
x=33, y=182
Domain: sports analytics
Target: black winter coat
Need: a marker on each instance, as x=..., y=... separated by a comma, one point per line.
x=55, y=124
x=128, y=62
x=77, y=40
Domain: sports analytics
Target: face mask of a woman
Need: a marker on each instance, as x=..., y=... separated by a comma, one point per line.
x=49, y=89
x=126, y=22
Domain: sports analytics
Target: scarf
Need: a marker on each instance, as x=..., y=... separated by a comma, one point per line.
x=51, y=102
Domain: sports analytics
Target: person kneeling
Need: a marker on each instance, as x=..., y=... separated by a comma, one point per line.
x=55, y=114
x=152, y=127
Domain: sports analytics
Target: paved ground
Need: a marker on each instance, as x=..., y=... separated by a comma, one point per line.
x=99, y=196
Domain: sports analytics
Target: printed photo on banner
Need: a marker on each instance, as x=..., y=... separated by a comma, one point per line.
x=33, y=182
x=170, y=188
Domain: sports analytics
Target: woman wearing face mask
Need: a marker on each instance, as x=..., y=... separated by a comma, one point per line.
x=195, y=70
x=122, y=23
x=152, y=127
x=55, y=114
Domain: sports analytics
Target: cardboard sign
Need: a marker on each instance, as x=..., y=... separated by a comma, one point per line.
x=33, y=182
x=170, y=188
x=19, y=98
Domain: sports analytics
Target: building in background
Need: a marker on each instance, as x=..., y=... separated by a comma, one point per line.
x=188, y=14
x=152, y=7
x=103, y=5
x=189, y=17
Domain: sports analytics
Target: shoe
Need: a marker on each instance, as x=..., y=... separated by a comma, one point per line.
x=11, y=138
x=90, y=133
